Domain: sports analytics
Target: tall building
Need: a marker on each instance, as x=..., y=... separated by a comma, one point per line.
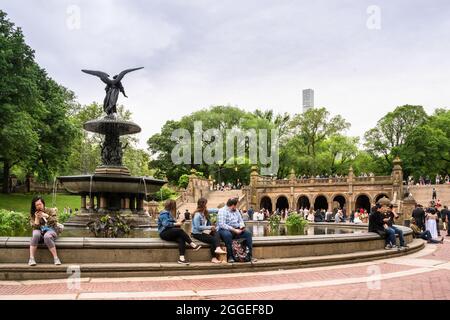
x=308, y=99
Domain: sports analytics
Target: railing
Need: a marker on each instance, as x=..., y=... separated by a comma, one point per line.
x=264, y=181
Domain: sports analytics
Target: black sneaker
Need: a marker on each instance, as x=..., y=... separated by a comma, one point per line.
x=185, y=262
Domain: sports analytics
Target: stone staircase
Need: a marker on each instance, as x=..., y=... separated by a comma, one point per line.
x=423, y=194
x=214, y=199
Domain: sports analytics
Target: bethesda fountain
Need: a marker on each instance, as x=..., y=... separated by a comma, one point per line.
x=111, y=189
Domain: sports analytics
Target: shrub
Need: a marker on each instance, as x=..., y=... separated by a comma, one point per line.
x=110, y=227
x=13, y=223
x=295, y=221
x=274, y=221
x=165, y=193
x=183, y=181
x=63, y=216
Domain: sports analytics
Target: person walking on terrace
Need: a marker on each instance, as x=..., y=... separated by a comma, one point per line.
x=203, y=231
x=45, y=227
x=170, y=229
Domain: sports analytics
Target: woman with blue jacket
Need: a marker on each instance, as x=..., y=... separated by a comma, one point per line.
x=203, y=231
x=170, y=230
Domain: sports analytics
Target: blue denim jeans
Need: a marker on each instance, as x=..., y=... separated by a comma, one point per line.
x=400, y=235
x=390, y=236
x=227, y=237
x=426, y=235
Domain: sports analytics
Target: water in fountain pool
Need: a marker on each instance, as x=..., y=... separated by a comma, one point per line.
x=257, y=229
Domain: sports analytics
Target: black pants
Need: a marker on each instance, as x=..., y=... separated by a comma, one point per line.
x=177, y=235
x=437, y=227
x=212, y=239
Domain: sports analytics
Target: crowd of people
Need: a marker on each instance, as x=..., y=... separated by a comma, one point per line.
x=425, y=222
x=337, y=215
x=439, y=179
x=227, y=186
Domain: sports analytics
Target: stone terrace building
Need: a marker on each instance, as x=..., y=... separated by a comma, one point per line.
x=325, y=193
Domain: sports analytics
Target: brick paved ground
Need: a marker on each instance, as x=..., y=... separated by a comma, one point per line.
x=422, y=275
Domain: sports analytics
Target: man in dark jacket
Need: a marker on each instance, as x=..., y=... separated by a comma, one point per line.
x=419, y=215
x=445, y=214
x=378, y=223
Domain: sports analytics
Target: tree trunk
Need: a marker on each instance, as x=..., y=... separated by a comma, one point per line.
x=6, y=169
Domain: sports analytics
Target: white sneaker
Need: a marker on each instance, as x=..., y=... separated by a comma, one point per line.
x=31, y=262
x=57, y=261
x=219, y=250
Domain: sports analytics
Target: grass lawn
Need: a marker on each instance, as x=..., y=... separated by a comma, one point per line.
x=22, y=202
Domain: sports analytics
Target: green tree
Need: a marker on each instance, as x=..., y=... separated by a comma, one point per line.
x=426, y=150
x=392, y=131
x=222, y=118
x=307, y=151
x=315, y=125
x=339, y=151
x=35, y=131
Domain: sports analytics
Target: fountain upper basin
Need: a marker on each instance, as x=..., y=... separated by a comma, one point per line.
x=110, y=183
x=107, y=125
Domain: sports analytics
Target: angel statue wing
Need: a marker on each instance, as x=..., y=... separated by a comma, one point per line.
x=123, y=73
x=102, y=75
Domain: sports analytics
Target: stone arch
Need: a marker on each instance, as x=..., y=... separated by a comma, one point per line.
x=340, y=199
x=363, y=201
x=381, y=195
x=321, y=202
x=303, y=201
x=282, y=202
x=266, y=203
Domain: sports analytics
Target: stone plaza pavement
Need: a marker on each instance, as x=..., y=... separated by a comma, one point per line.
x=422, y=275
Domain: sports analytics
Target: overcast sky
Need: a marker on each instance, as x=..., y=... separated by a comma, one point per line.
x=248, y=53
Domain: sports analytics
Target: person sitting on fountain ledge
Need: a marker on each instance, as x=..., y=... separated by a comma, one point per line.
x=378, y=223
x=231, y=226
x=203, y=231
x=170, y=230
x=392, y=215
x=45, y=227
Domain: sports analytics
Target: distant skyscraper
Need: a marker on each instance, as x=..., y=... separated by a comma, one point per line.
x=308, y=99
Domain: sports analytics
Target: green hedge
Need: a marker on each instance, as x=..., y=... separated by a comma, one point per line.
x=13, y=223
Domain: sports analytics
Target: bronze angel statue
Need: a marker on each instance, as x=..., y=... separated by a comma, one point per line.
x=113, y=87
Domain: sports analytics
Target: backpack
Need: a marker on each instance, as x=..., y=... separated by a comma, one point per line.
x=240, y=251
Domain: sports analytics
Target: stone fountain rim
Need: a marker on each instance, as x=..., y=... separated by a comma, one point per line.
x=92, y=242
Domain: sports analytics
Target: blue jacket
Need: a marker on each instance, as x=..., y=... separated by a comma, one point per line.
x=165, y=220
x=199, y=223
